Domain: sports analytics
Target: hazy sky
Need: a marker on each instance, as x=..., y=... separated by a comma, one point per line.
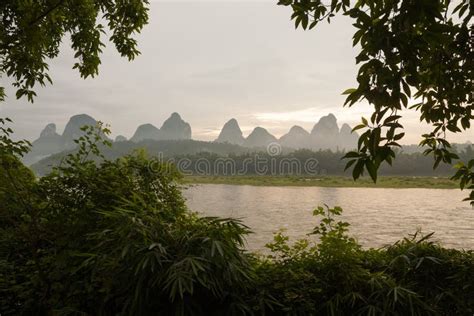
x=210, y=61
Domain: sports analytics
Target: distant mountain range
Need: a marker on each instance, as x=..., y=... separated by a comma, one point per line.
x=174, y=128
x=324, y=135
x=50, y=142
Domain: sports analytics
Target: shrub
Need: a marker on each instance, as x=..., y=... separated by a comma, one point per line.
x=112, y=238
x=334, y=275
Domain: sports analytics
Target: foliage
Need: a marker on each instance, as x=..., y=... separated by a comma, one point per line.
x=419, y=51
x=32, y=31
x=111, y=238
x=8, y=147
x=465, y=174
x=333, y=275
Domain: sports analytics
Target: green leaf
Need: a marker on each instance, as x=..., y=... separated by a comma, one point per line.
x=349, y=91
x=358, y=169
x=371, y=169
x=349, y=164
x=351, y=154
x=360, y=126
x=364, y=121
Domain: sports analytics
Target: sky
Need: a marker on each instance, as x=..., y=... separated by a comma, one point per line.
x=210, y=61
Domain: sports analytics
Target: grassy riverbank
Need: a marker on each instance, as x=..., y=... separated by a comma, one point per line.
x=327, y=181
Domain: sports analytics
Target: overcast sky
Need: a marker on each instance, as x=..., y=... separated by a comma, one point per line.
x=210, y=61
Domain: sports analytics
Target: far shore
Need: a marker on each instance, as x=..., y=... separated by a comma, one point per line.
x=328, y=181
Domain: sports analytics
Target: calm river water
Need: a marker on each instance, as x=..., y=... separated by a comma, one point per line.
x=378, y=216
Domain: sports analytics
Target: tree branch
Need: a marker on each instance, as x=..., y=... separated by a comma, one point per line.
x=46, y=13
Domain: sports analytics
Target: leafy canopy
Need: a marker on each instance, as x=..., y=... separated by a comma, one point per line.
x=414, y=54
x=32, y=31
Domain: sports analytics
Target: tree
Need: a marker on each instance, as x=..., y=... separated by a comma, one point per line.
x=416, y=54
x=32, y=31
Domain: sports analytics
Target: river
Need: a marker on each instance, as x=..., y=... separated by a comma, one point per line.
x=378, y=217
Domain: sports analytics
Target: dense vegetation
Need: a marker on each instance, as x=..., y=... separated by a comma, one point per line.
x=213, y=159
x=109, y=238
x=115, y=238
x=303, y=162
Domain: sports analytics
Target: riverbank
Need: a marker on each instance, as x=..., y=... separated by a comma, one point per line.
x=327, y=181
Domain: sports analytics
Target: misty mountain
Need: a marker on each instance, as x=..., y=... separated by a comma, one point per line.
x=347, y=139
x=175, y=128
x=297, y=138
x=324, y=135
x=73, y=131
x=146, y=132
x=259, y=137
x=120, y=138
x=231, y=133
x=50, y=142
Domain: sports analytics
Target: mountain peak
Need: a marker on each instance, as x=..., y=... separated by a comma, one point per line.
x=82, y=119
x=120, y=138
x=144, y=132
x=258, y=130
x=175, y=115
x=232, y=123
x=81, y=116
x=175, y=128
x=327, y=125
x=231, y=133
x=147, y=126
x=77, y=121
x=346, y=129
x=297, y=137
x=259, y=137
x=49, y=130
x=296, y=129
x=325, y=133
x=73, y=131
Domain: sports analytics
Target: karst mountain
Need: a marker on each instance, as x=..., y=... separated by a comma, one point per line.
x=325, y=134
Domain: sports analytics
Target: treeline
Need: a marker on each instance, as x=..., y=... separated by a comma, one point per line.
x=216, y=159
x=303, y=162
